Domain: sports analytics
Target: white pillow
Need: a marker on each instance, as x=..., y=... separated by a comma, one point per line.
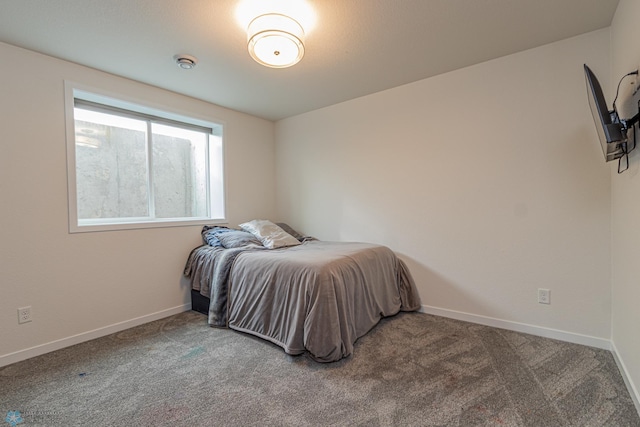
x=269, y=234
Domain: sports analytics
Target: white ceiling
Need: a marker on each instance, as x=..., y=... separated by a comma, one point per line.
x=355, y=48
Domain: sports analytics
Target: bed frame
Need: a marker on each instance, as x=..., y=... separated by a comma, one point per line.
x=199, y=302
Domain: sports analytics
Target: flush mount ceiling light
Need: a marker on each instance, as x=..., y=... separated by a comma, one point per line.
x=186, y=62
x=275, y=40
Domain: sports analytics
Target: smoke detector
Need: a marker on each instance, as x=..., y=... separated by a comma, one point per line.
x=186, y=62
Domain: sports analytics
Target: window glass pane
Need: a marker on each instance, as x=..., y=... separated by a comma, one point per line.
x=111, y=166
x=179, y=165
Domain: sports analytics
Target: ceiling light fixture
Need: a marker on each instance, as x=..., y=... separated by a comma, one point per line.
x=186, y=62
x=275, y=40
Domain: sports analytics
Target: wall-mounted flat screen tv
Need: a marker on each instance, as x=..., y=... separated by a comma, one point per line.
x=612, y=133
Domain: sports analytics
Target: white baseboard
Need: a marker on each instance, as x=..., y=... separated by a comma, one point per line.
x=520, y=327
x=633, y=391
x=38, y=350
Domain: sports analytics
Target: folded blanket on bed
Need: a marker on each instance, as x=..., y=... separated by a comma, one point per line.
x=209, y=267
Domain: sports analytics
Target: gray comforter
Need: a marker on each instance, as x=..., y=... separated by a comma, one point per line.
x=319, y=297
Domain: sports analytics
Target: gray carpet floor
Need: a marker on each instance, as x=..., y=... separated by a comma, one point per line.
x=412, y=369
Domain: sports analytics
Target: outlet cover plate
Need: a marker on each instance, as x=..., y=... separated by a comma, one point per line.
x=24, y=314
x=544, y=296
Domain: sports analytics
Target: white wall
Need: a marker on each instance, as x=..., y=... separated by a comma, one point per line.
x=625, y=54
x=489, y=181
x=83, y=285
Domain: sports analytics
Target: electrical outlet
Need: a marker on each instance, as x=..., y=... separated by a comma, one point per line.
x=544, y=296
x=24, y=314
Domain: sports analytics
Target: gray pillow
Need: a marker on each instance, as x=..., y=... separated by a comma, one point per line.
x=238, y=239
x=290, y=230
x=301, y=237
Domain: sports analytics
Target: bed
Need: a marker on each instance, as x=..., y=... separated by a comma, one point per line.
x=313, y=297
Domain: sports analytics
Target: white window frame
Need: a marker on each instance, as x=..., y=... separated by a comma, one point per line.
x=75, y=91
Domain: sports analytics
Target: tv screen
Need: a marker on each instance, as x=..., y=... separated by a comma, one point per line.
x=612, y=133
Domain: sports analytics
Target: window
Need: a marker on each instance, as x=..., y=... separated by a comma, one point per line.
x=139, y=167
